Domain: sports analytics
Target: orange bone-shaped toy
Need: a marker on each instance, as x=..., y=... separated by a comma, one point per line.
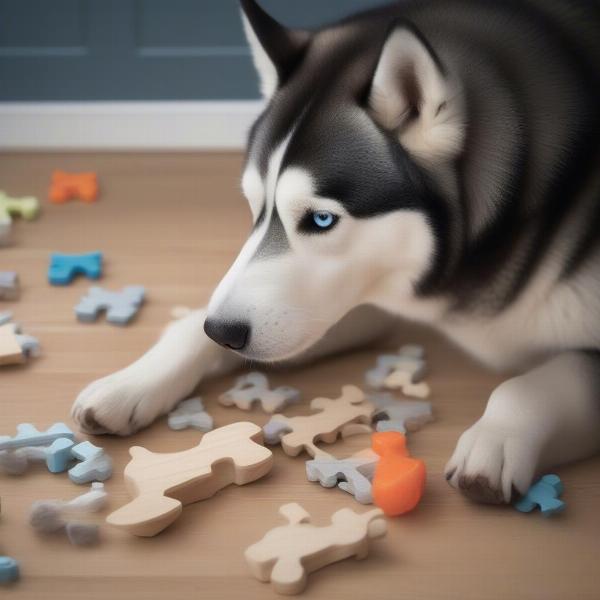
x=399, y=479
x=73, y=186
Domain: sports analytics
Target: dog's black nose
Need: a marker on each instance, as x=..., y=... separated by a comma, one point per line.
x=231, y=334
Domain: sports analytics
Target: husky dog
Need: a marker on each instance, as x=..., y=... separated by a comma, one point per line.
x=436, y=160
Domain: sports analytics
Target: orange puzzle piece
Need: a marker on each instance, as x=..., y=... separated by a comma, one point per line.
x=73, y=186
x=399, y=479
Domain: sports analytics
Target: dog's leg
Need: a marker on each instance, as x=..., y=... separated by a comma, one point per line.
x=132, y=398
x=546, y=417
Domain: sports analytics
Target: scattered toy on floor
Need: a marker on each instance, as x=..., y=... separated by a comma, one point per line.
x=230, y=454
x=48, y=516
x=301, y=433
x=254, y=387
x=9, y=285
x=399, y=479
x=545, y=493
x=286, y=554
x=57, y=457
x=402, y=380
x=64, y=267
x=95, y=464
x=16, y=347
x=399, y=415
x=9, y=569
x=29, y=435
x=73, y=186
x=353, y=474
x=410, y=358
x=190, y=413
x=27, y=208
x=120, y=307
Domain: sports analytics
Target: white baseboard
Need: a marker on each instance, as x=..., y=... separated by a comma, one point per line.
x=126, y=125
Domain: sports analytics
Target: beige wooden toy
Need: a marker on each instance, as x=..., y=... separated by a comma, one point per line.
x=286, y=554
x=403, y=380
x=298, y=433
x=162, y=483
x=10, y=349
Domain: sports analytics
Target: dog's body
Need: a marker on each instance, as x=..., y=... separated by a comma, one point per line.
x=438, y=160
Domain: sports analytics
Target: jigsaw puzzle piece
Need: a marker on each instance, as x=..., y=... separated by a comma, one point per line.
x=190, y=413
x=410, y=358
x=95, y=464
x=10, y=349
x=9, y=283
x=28, y=435
x=26, y=207
x=544, y=493
x=73, y=186
x=120, y=307
x=400, y=415
x=64, y=267
x=57, y=457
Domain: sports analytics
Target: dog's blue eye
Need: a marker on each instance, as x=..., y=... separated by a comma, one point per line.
x=323, y=220
x=318, y=221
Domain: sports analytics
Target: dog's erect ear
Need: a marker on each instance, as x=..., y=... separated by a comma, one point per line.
x=276, y=50
x=411, y=93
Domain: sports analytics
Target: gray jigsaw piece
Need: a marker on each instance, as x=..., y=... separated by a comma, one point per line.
x=410, y=358
x=190, y=413
x=9, y=285
x=120, y=307
x=400, y=415
x=273, y=431
x=28, y=435
x=95, y=464
x=30, y=346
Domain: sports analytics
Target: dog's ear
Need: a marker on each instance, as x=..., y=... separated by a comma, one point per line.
x=276, y=50
x=412, y=94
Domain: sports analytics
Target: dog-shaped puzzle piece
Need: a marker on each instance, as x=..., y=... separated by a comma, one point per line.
x=57, y=457
x=399, y=415
x=64, y=267
x=353, y=474
x=9, y=285
x=254, y=387
x=301, y=433
x=95, y=464
x=73, y=186
x=545, y=494
x=410, y=358
x=286, y=554
x=28, y=435
x=9, y=569
x=162, y=483
x=399, y=479
x=190, y=413
x=120, y=307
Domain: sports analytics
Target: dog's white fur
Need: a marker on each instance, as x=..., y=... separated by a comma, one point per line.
x=303, y=305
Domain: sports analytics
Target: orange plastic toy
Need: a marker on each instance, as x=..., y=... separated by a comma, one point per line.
x=73, y=186
x=399, y=479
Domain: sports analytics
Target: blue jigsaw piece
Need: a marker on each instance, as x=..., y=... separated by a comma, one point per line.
x=58, y=455
x=120, y=307
x=545, y=494
x=95, y=464
x=64, y=267
x=28, y=435
x=9, y=569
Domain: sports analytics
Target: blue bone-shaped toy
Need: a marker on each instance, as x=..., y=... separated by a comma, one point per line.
x=545, y=494
x=120, y=307
x=95, y=464
x=28, y=435
x=57, y=457
x=64, y=267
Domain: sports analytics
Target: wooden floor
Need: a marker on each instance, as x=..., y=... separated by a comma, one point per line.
x=173, y=223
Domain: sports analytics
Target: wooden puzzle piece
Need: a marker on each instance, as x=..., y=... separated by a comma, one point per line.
x=27, y=207
x=399, y=479
x=64, y=267
x=254, y=387
x=9, y=285
x=545, y=494
x=399, y=415
x=9, y=569
x=10, y=349
x=301, y=433
x=73, y=186
x=353, y=474
x=95, y=464
x=162, y=483
x=410, y=358
x=28, y=435
x=190, y=413
x=286, y=554
x=57, y=457
x=120, y=307
x=400, y=379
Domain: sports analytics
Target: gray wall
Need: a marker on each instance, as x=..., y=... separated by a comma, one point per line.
x=138, y=49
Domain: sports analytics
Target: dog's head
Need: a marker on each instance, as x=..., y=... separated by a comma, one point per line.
x=339, y=180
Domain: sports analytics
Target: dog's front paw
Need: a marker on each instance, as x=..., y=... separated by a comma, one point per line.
x=493, y=464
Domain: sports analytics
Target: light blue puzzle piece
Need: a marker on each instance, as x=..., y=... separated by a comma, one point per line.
x=120, y=307
x=57, y=457
x=9, y=569
x=96, y=465
x=190, y=413
x=28, y=435
x=64, y=267
x=545, y=494
x=30, y=346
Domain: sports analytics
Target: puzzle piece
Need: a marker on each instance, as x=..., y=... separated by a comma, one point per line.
x=353, y=474
x=254, y=387
x=410, y=358
x=190, y=413
x=9, y=285
x=301, y=433
x=399, y=415
x=545, y=494
x=95, y=464
x=162, y=483
x=28, y=435
x=286, y=554
x=73, y=186
x=64, y=267
x=9, y=569
x=48, y=516
x=57, y=457
x=399, y=479
x=120, y=307
x=30, y=346
x=15, y=346
x=401, y=379
x=26, y=207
